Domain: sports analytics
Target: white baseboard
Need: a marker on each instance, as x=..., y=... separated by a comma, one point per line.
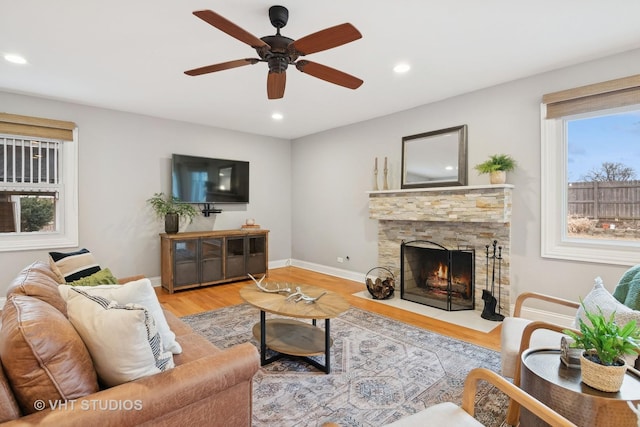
x=331, y=271
x=280, y=263
x=548, y=316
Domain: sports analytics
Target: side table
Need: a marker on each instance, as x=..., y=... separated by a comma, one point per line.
x=547, y=379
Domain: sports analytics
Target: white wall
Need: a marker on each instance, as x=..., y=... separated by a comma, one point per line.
x=333, y=170
x=125, y=158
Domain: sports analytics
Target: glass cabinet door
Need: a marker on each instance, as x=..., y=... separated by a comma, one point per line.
x=185, y=258
x=211, y=260
x=256, y=261
x=235, y=266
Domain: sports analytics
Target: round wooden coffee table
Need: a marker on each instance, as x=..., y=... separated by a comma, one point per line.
x=547, y=379
x=290, y=337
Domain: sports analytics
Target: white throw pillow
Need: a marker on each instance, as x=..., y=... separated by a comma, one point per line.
x=122, y=339
x=135, y=292
x=600, y=297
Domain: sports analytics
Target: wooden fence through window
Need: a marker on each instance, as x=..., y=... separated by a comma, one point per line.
x=610, y=200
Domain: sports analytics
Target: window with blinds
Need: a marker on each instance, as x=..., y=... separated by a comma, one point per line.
x=29, y=184
x=591, y=171
x=38, y=183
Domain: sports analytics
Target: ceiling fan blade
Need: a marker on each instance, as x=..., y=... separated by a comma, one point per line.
x=222, y=66
x=325, y=39
x=275, y=85
x=224, y=25
x=329, y=74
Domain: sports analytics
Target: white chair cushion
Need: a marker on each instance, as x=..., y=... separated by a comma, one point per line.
x=442, y=414
x=512, y=329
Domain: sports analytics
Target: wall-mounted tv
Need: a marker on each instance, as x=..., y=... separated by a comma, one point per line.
x=207, y=180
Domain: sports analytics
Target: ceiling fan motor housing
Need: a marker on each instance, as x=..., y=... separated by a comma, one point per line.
x=277, y=56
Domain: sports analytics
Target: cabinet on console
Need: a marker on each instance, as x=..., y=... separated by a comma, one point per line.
x=200, y=258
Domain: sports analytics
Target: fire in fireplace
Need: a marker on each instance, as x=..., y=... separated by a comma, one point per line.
x=433, y=275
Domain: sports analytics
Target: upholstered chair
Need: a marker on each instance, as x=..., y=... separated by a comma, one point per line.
x=513, y=328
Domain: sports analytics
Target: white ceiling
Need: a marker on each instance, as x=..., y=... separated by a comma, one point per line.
x=130, y=55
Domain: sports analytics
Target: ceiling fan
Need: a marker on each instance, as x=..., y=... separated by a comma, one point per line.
x=279, y=51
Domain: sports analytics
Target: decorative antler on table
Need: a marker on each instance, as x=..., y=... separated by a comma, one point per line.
x=265, y=289
x=299, y=296
x=296, y=296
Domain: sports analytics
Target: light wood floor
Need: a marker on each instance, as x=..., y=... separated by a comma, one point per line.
x=186, y=302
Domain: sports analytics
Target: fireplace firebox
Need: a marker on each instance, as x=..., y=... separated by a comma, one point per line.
x=433, y=275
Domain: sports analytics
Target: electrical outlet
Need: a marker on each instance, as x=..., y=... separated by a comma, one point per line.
x=340, y=259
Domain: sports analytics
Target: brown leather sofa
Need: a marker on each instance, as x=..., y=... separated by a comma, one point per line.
x=208, y=386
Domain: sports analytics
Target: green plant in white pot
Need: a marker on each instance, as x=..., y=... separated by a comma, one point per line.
x=497, y=167
x=604, y=343
x=171, y=210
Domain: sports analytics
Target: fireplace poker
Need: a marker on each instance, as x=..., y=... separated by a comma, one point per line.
x=499, y=279
x=493, y=270
x=486, y=276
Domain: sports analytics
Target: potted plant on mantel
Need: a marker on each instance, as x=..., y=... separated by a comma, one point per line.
x=171, y=209
x=604, y=343
x=497, y=167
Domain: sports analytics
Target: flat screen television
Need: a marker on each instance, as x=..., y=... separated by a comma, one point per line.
x=207, y=180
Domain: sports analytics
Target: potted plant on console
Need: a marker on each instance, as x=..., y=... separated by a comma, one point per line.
x=604, y=343
x=497, y=167
x=171, y=209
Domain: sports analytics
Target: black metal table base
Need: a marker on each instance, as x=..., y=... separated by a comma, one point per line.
x=326, y=368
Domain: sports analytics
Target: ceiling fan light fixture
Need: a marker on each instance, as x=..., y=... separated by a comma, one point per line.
x=277, y=116
x=402, y=68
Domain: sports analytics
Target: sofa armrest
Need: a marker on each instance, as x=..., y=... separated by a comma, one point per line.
x=548, y=298
x=151, y=397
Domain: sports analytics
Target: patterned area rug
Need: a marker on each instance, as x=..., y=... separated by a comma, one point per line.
x=382, y=370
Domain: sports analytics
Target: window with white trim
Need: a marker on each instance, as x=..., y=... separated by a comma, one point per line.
x=38, y=183
x=589, y=169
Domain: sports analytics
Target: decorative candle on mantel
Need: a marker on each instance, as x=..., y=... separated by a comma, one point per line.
x=385, y=185
x=375, y=175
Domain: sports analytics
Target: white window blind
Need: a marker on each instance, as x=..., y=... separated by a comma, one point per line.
x=29, y=164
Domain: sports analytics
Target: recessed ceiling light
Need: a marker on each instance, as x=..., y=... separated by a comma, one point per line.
x=402, y=68
x=16, y=59
x=277, y=116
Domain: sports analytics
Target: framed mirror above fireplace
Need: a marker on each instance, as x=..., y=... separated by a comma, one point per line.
x=435, y=159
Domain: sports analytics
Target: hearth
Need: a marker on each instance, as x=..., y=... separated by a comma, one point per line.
x=433, y=275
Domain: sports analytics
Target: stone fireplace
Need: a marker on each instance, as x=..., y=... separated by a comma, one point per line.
x=469, y=217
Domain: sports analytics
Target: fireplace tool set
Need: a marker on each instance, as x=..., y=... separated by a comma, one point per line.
x=490, y=301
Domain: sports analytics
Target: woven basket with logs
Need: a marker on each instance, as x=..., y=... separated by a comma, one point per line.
x=380, y=288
